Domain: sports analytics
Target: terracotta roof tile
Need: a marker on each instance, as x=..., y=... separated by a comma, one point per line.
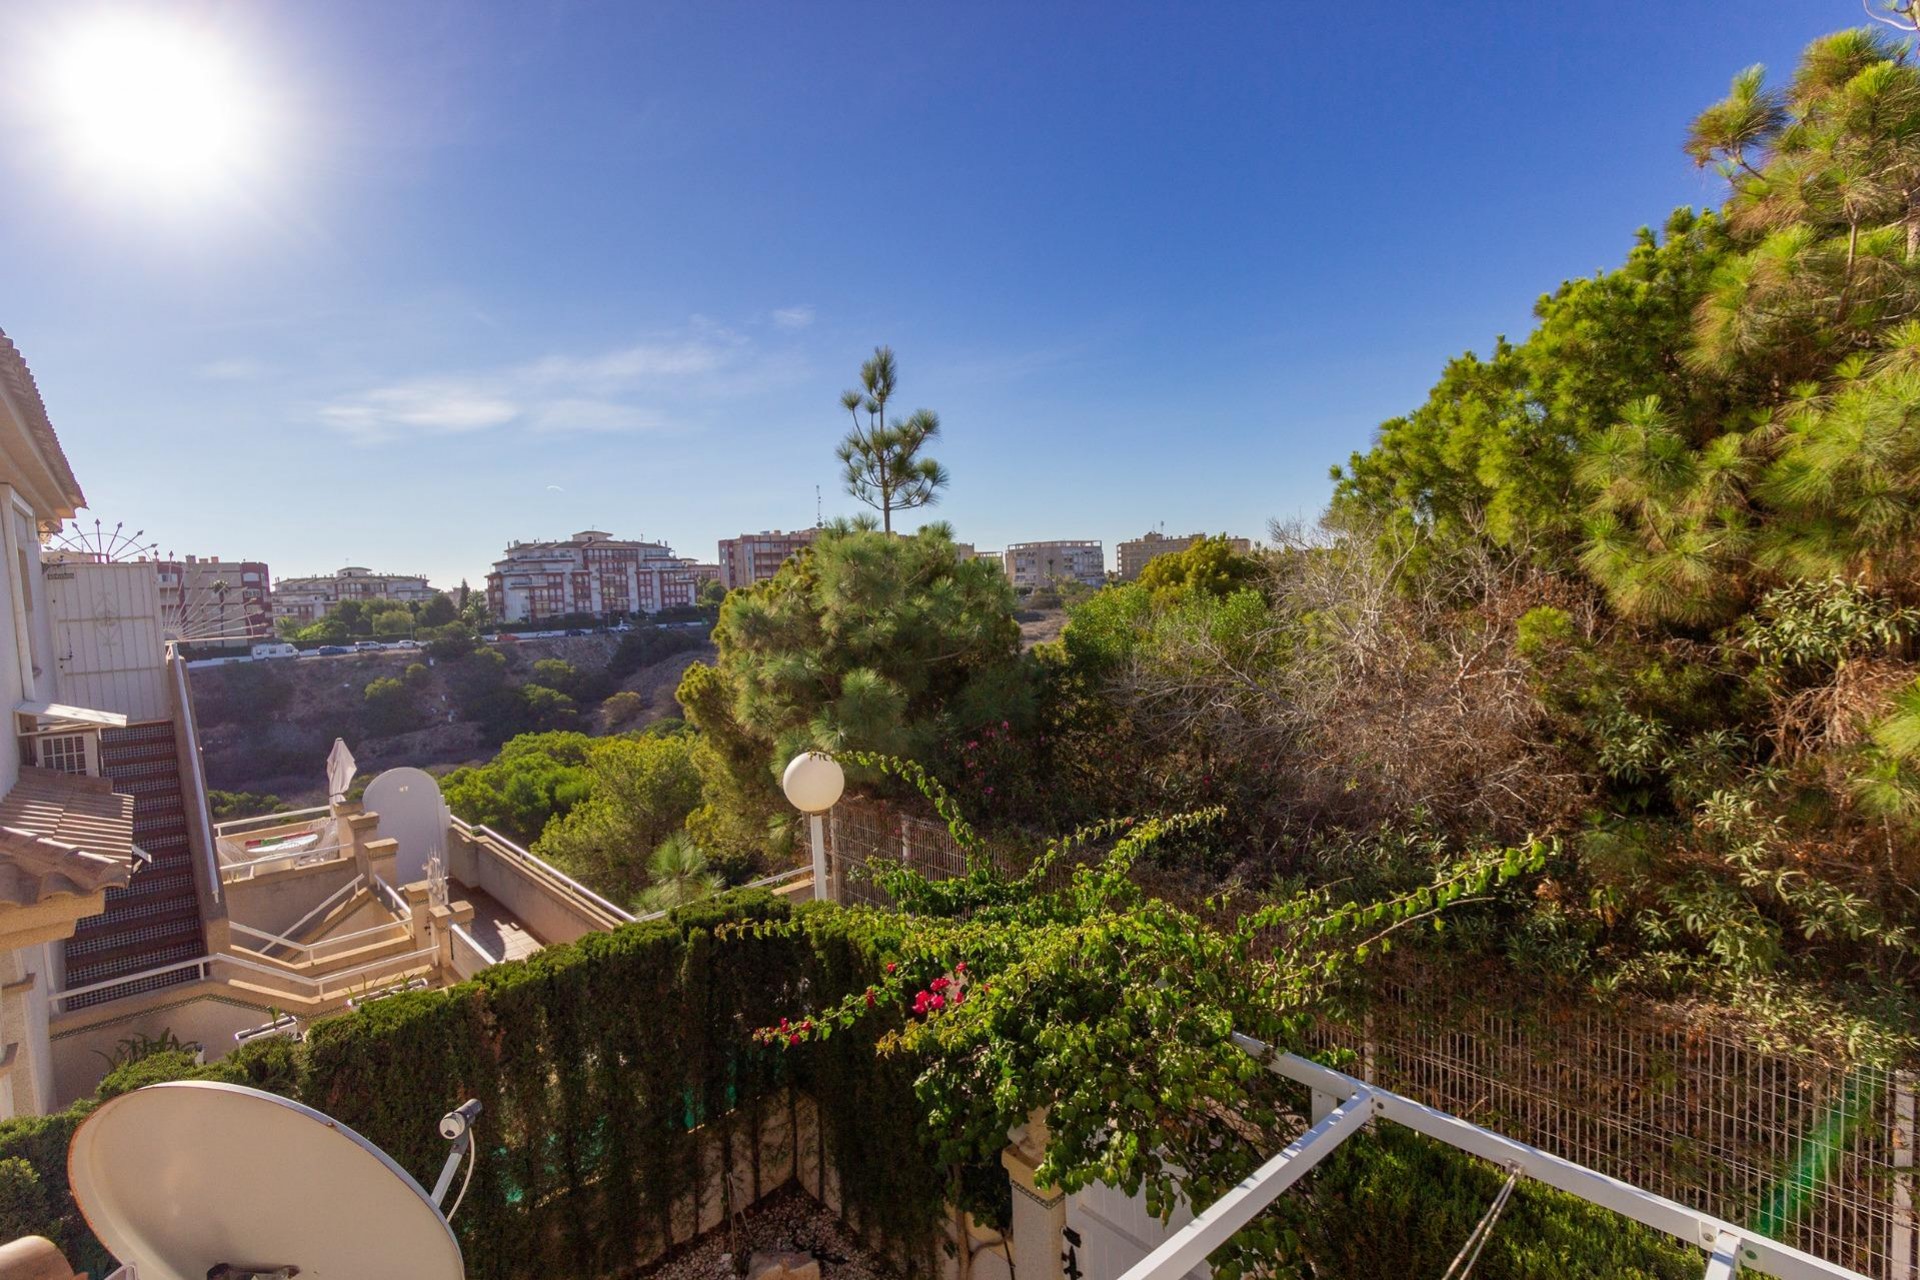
x=62, y=833
x=26, y=393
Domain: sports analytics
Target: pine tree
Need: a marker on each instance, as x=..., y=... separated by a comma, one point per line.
x=884, y=468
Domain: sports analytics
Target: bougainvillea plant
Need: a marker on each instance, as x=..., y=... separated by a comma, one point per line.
x=1111, y=1013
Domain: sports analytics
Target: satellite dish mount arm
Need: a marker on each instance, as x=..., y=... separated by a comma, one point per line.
x=457, y=1127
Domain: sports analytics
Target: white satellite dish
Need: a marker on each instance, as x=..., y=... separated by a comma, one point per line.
x=194, y=1179
x=411, y=811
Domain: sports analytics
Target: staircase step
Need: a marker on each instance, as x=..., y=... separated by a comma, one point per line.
x=155, y=920
x=138, y=985
x=134, y=939
x=124, y=915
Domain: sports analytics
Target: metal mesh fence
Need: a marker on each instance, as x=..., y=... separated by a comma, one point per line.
x=1815, y=1153
x=860, y=832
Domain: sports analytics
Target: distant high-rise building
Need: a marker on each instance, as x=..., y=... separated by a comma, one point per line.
x=755, y=557
x=213, y=599
x=592, y=573
x=311, y=599
x=1134, y=553
x=1039, y=564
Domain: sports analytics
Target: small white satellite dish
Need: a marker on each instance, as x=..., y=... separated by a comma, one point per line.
x=194, y=1179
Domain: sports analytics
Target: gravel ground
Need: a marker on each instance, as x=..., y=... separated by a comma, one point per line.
x=788, y=1220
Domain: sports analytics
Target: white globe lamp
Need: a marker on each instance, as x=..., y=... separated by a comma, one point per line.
x=813, y=783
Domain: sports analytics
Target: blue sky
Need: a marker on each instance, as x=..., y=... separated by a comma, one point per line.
x=512, y=270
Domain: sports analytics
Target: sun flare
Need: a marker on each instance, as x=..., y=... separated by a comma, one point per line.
x=154, y=103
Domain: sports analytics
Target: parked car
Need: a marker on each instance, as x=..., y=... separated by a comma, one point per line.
x=575, y=631
x=274, y=649
x=368, y=646
x=404, y=644
x=332, y=650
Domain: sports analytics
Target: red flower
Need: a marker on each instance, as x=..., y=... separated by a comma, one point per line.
x=891, y=966
x=869, y=997
x=938, y=1002
x=792, y=1040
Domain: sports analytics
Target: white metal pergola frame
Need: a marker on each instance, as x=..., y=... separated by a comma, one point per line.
x=1343, y=1106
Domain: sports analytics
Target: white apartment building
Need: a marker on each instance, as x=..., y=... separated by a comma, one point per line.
x=592, y=573
x=756, y=557
x=311, y=599
x=1039, y=564
x=1134, y=553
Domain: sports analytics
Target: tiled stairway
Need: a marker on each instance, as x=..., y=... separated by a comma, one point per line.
x=155, y=920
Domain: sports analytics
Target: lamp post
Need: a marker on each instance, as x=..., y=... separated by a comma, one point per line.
x=813, y=783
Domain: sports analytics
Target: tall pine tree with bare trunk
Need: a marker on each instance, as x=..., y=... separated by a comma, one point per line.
x=884, y=468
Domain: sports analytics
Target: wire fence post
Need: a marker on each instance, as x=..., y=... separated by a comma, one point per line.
x=1903, y=1243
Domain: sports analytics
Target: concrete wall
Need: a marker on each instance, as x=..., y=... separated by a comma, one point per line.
x=274, y=901
x=521, y=889
x=207, y=1012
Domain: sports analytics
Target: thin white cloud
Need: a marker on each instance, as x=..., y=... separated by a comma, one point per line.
x=637, y=387
x=792, y=317
x=433, y=407
x=640, y=362
x=239, y=370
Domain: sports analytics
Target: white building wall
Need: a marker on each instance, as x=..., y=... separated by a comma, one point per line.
x=1116, y=1231
x=107, y=643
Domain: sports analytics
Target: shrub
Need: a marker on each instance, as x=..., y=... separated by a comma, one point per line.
x=641, y=791
x=24, y=1207
x=534, y=779
x=229, y=806
x=623, y=707
x=390, y=708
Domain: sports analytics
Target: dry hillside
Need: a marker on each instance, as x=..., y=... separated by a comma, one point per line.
x=266, y=727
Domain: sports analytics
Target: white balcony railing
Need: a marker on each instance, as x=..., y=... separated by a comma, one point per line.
x=303, y=837
x=384, y=971
x=276, y=947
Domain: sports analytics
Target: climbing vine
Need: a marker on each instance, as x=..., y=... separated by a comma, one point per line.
x=1107, y=1012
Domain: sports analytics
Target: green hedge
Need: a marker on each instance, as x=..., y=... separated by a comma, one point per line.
x=594, y=1061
